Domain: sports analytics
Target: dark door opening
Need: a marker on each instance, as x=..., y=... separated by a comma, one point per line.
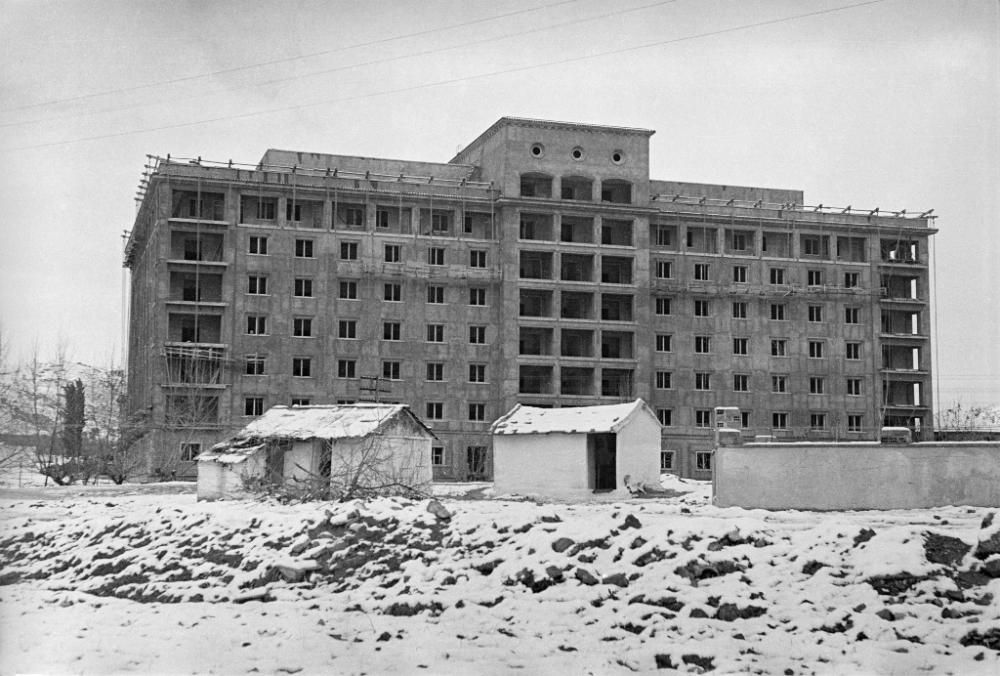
x=475, y=459
x=603, y=456
x=275, y=462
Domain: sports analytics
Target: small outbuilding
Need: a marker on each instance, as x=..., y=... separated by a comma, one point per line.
x=577, y=451
x=374, y=445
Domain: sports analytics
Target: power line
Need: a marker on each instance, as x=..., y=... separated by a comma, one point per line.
x=466, y=78
x=287, y=59
x=363, y=64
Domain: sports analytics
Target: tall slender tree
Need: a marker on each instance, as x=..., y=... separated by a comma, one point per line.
x=74, y=419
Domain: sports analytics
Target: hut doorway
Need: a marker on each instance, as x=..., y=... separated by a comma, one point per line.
x=603, y=459
x=275, y=463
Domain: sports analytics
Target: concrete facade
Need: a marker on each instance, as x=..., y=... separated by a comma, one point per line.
x=857, y=476
x=541, y=265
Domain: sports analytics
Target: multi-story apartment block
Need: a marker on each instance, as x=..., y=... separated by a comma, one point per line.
x=541, y=265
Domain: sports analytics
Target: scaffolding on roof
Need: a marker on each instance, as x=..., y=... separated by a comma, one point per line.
x=703, y=201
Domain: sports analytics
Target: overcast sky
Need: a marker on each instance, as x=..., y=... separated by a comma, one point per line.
x=890, y=104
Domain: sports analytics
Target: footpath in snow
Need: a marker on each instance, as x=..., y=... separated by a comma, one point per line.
x=145, y=583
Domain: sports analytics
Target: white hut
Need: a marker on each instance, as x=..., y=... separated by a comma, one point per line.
x=576, y=452
x=381, y=443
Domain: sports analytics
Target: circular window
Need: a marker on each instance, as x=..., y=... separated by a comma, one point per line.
x=537, y=150
x=618, y=157
x=577, y=153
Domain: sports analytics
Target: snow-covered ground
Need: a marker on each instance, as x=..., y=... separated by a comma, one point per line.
x=123, y=581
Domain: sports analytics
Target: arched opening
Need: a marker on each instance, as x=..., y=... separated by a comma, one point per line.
x=536, y=185
x=616, y=191
x=577, y=188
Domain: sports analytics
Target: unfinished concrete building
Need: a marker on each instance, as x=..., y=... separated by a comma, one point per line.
x=542, y=266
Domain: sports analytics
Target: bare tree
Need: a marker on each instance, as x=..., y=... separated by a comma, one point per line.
x=10, y=454
x=31, y=402
x=970, y=420
x=111, y=434
x=346, y=469
x=373, y=467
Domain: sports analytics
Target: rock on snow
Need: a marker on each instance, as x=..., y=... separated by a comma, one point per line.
x=163, y=584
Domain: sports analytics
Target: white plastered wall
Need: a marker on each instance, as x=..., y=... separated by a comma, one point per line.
x=857, y=476
x=217, y=481
x=639, y=450
x=300, y=460
x=541, y=464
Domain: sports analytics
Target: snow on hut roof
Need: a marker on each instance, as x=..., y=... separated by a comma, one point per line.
x=230, y=455
x=570, y=420
x=342, y=421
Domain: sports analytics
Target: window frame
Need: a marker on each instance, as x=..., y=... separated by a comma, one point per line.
x=301, y=367
x=435, y=256
x=347, y=369
x=255, y=242
x=253, y=406
x=349, y=251
x=741, y=382
x=816, y=349
x=257, y=285
x=304, y=248
x=435, y=333
x=392, y=331
x=255, y=365
x=854, y=387
x=434, y=372
x=477, y=296
x=817, y=385
x=347, y=329
x=435, y=294
x=302, y=327
x=347, y=289
x=302, y=287
x=259, y=325
x=391, y=369
x=185, y=451
x=392, y=292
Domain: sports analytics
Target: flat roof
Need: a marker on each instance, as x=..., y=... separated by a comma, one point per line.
x=508, y=121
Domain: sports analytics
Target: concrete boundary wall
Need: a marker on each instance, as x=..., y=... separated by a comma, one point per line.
x=849, y=476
